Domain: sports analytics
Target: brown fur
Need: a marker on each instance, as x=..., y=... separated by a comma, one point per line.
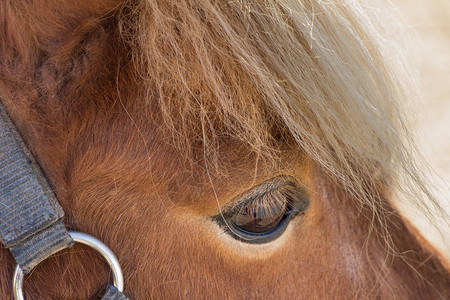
x=110, y=146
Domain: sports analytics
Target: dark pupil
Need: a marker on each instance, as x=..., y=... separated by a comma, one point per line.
x=261, y=214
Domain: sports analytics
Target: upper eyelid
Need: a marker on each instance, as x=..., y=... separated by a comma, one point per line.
x=248, y=196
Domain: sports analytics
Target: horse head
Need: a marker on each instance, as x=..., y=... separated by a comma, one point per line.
x=222, y=149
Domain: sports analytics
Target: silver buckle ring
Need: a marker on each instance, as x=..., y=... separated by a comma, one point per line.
x=87, y=240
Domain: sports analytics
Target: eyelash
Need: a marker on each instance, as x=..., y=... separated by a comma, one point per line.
x=268, y=201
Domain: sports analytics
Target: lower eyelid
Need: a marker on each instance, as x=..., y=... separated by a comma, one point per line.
x=258, y=238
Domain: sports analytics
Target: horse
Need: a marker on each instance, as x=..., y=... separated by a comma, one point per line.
x=221, y=149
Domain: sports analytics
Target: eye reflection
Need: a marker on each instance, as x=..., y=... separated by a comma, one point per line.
x=262, y=214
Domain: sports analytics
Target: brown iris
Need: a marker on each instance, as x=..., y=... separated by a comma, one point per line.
x=261, y=214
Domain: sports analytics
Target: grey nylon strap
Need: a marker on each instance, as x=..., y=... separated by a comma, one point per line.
x=112, y=293
x=30, y=215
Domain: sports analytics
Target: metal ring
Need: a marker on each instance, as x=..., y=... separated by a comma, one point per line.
x=87, y=240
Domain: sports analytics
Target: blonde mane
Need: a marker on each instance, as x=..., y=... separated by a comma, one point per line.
x=315, y=75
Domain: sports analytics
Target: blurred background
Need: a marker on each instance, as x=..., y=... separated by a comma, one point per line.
x=429, y=22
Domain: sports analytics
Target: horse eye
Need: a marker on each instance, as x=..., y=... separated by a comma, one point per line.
x=264, y=213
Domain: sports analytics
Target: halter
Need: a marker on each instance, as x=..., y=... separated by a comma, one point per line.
x=31, y=224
